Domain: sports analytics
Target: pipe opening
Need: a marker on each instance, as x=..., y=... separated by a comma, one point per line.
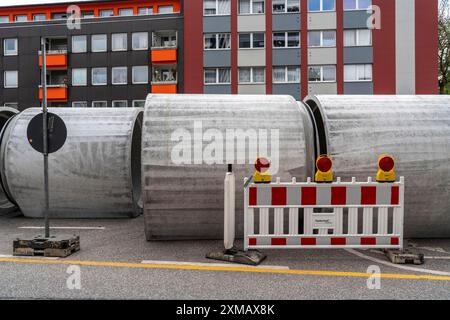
x=136, y=145
x=319, y=127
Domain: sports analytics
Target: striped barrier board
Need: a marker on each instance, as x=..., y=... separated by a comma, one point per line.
x=336, y=215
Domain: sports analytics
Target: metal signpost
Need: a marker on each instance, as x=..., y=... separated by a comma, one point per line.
x=45, y=137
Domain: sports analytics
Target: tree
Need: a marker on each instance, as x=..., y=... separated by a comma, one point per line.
x=444, y=45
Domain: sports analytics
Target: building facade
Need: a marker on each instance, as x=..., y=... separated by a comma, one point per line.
x=124, y=50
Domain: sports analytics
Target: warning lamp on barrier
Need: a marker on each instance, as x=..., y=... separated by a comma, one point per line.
x=262, y=165
x=324, y=167
x=386, y=171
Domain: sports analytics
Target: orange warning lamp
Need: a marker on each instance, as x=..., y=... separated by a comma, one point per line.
x=386, y=171
x=324, y=167
x=262, y=165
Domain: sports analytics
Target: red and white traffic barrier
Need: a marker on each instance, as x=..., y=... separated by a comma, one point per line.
x=335, y=215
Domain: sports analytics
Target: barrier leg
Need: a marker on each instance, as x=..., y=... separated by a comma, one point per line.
x=249, y=226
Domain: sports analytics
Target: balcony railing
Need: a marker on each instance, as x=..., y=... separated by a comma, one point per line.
x=55, y=92
x=55, y=59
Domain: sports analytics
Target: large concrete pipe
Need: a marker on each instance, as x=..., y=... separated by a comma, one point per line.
x=184, y=199
x=355, y=130
x=6, y=113
x=96, y=174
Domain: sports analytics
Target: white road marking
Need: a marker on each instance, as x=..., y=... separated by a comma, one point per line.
x=387, y=263
x=437, y=258
x=65, y=228
x=29, y=257
x=200, y=264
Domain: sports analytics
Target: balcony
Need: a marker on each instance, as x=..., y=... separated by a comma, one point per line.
x=55, y=92
x=56, y=59
x=164, y=47
x=164, y=79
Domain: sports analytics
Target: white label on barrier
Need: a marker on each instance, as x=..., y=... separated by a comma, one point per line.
x=323, y=221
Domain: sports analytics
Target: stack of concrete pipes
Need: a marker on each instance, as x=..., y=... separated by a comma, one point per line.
x=170, y=159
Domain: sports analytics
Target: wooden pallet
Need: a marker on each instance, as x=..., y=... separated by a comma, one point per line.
x=56, y=246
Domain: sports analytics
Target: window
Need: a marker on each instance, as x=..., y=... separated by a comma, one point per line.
x=140, y=74
x=87, y=14
x=217, y=76
x=79, y=44
x=11, y=79
x=252, y=75
x=10, y=47
x=286, y=39
x=145, y=11
x=322, y=74
x=321, y=38
x=138, y=103
x=283, y=6
x=99, y=104
x=251, y=6
x=119, y=75
x=79, y=77
x=59, y=15
x=320, y=5
x=286, y=74
x=4, y=19
x=357, y=37
x=126, y=12
x=39, y=17
x=79, y=104
x=99, y=43
x=357, y=4
x=99, y=76
x=119, y=42
x=140, y=41
x=217, y=41
x=216, y=7
x=21, y=18
x=357, y=72
x=251, y=40
x=120, y=104
x=14, y=105
x=165, y=9
x=106, y=13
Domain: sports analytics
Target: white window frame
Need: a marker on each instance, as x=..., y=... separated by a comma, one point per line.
x=217, y=41
x=146, y=11
x=4, y=79
x=357, y=65
x=357, y=31
x=286, y=46
x=321, y=73
x=74, y=102
x=125, y=15
x=112, y=75
x=169, y=5
x=92, y=42
x=357, y=6
x=16, y=52
x=321, y=39
x=14, y=105
x=286, y=74
x=126, y=41
x=132, y=41
x=20, y=15
x=99, y=101
x=114, y=101
x=251, y=41
x=85, y=82
x=85, y=43
x=6, y=18
x=217, y=10
x=133, y=72
x=251, y=8
x=321, y=7
x=252, y=81
x=217, y=77
x=286, y=8
x=39, y=14
x=134, y=101
x=92, y=77
x=105, y=10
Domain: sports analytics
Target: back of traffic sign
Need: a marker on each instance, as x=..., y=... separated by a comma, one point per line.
x=57, y=133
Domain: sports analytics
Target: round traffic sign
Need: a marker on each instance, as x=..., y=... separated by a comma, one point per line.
x=57, y=133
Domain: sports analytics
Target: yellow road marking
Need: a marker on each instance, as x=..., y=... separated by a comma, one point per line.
x=220, y=268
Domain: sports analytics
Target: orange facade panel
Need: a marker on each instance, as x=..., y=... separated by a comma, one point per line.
x=164, y=55
x=164, y=88
x=55, y=94
x=55, y=61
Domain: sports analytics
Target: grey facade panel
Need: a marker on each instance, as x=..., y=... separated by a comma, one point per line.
x=286, y=22
x=217, y=89
x=356, y=19
x=286, y=57
x=217, y=24
x=358, y=88
x=353, y=55
x=292, y=89
x=217, y=58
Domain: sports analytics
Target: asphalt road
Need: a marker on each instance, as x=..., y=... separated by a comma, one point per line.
x=110, y=266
